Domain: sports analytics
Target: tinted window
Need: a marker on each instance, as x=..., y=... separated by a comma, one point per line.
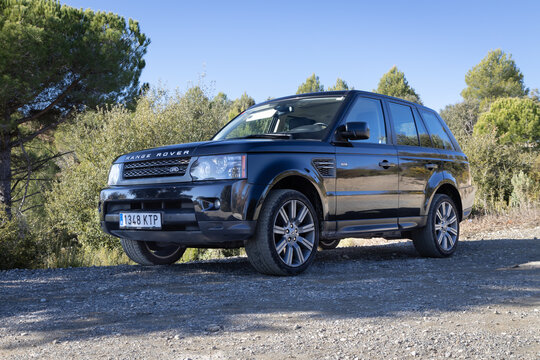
x=402, y=118
x=302, y=118
x=369, y=111
x=438, y=135
x=425, y=141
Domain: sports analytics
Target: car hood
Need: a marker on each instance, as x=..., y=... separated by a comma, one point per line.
x=219, y=147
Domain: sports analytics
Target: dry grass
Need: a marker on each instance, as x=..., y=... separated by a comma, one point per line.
x=511, y=219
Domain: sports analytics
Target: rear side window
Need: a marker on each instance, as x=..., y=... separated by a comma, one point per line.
x=403, y=120
x=369, y=111
x=439, y=137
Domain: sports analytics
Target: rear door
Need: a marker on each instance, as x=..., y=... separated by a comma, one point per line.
x=419, y=161
x=367, y=173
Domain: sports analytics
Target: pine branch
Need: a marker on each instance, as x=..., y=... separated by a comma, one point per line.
x=42, y=130
x=27, y=196
x=31, y=207
x=51, y=105
x=38, y=164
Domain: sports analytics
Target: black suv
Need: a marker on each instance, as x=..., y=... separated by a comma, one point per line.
x=292, y=175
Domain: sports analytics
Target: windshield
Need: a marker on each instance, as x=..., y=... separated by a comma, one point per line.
x=299, y=118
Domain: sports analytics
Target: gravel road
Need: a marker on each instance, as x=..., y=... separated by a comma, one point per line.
x=378, y=300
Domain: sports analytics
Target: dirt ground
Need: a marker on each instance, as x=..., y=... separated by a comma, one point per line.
x=372, y=299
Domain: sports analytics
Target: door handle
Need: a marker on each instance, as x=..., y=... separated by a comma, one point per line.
x=385, y=164
x=431, y=166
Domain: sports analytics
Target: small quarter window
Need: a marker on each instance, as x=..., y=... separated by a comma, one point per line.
x=402, y=118
x=423, y=135
x=439, y=137
x=369, y=111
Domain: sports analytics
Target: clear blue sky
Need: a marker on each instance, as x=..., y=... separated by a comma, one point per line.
x=267, y=48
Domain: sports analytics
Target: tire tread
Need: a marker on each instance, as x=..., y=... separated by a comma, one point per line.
x=260, y=253
x=138, y=252
x=423, y=239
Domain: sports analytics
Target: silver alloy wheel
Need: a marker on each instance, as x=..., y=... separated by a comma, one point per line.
x=446, y=226
x=294, y=233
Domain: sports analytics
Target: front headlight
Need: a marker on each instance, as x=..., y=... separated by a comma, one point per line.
x=114, y=174
x=219, y=167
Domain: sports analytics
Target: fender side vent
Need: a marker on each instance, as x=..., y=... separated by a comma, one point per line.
x=325, y=167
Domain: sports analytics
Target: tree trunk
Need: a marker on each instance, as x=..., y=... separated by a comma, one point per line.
x=5, y=172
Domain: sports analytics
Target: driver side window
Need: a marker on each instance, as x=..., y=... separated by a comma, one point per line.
x=370, y=111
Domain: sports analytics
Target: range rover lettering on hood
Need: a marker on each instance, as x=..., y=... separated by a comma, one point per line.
x=162, y=154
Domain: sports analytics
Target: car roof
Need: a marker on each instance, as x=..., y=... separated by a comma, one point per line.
x=341, y=93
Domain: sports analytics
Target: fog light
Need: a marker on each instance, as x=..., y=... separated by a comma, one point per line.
x=208, y=204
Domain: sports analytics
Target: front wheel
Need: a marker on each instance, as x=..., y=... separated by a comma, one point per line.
x=440, y=236
x=152, y=253
x=287, y=234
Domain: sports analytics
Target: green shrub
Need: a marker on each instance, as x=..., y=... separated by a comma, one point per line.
x=461, y=117
x=524, y=190
x=493, y=165
x=516, y=120
x=76, y=255
x=18, y=245
x=192, y=254
x=98, y=137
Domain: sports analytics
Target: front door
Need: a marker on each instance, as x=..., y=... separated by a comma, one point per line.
x=367, y=174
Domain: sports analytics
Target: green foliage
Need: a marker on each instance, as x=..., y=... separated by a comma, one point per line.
x=75, y=255
x=340, y=85
x=516, y=120
x=98, y=137
x=461, y=117
x=56, y=60
x=222, y=98
x=534, y=94
x=494, y=164
x=18, y=246
x=394, y=83
x=524, y=190
x=193, y=254
x=240, y=105
x=46, y=47
x=497, y=75
x=312, y=84
x=33, y=171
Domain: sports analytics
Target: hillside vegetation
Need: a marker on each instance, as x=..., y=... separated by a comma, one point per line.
x=63, y=123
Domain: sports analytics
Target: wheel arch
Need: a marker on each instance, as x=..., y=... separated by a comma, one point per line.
x=448, y=188
x=302, y=183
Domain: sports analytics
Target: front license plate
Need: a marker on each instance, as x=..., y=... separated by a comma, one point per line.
x=140, y=220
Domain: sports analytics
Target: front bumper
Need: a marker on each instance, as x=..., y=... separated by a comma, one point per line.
x=201, y=214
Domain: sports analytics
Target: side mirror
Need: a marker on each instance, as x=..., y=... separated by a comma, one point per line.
x=354, y=131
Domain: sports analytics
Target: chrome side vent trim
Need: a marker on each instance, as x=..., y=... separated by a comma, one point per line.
x=325, y=167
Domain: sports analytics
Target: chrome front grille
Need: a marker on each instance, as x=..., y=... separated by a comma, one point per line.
x=156, y=168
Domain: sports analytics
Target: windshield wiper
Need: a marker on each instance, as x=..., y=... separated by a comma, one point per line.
x=268, y=136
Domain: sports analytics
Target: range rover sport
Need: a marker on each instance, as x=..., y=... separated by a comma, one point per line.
x=293, y=175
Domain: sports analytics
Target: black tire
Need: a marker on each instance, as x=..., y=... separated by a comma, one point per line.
x=152, y=253
x=328, y=244
x=298, y=245
x=435, y=240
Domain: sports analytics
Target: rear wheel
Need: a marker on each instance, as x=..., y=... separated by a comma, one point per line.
x=440, y=236
x=152, y=253
x=287, y=235
x=328, y=244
